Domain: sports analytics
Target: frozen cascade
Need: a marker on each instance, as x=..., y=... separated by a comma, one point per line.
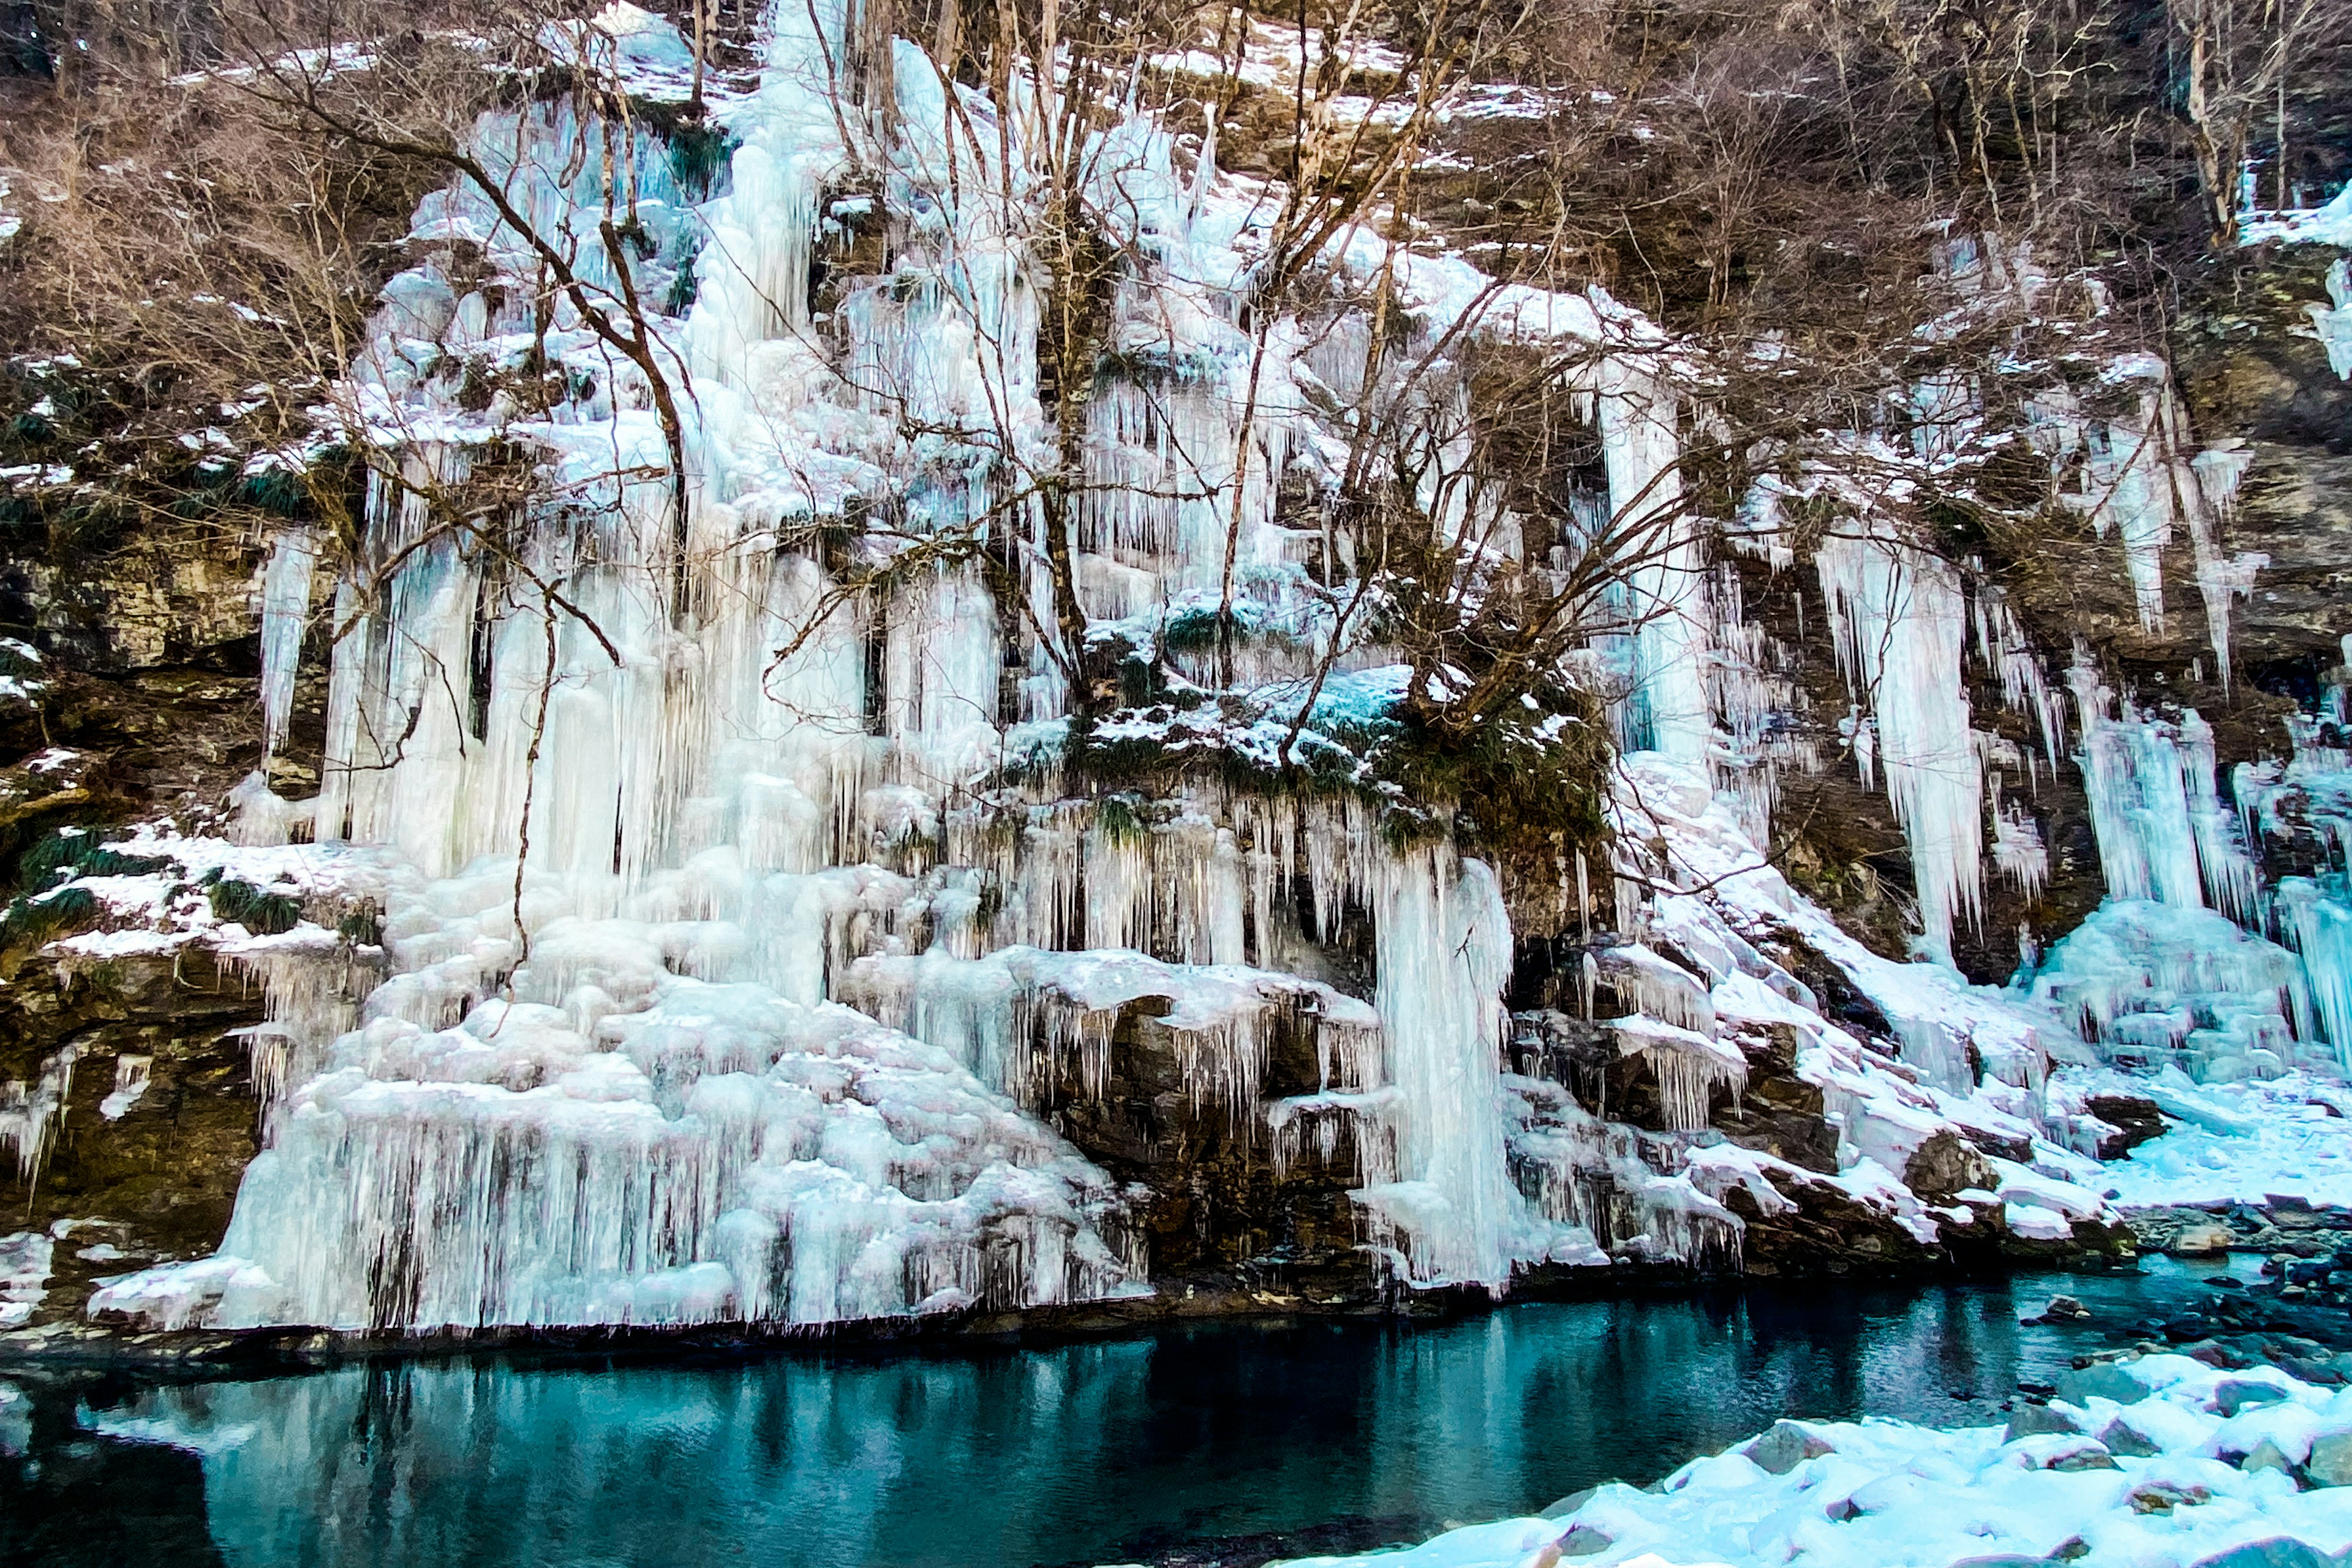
x=764, y=1023
x=285, y=615
x=1900, y=623
x=2305, y=803
x=1445, y=955
x=2163, y=985
x=2172, y=969
x=806, y=950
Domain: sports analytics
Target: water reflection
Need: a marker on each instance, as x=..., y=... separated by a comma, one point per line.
x=1007, y=1459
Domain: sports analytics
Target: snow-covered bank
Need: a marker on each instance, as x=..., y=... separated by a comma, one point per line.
x=2253, y=1143
x=2158, y=1463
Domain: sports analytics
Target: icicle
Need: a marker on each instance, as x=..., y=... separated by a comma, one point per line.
x=285, y=613
x=29, y=1112
x=1668, y=597
x=1899, y=623
x=1444, y=947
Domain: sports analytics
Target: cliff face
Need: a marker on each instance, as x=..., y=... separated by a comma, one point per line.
x=1414, y=777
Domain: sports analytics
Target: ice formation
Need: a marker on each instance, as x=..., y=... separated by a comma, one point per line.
x=769, y=1019
x=24, y=1260
x=1899, y=622
x=28, y=1110
x=741, y=943
x=2177, y=967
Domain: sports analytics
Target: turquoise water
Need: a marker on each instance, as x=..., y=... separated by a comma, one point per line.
x=1207, y=1443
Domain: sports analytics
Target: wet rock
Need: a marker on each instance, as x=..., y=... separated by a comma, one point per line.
x=2136, y=1119
x=2103, y=1380
x=2203, y=1240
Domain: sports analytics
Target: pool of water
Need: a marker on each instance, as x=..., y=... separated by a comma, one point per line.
x=1221, y=1443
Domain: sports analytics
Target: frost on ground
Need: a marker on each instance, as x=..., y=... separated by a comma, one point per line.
x=2250, y=1142
x=2162, y=1462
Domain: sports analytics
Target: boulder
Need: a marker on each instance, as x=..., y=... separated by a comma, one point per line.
x=2036, y=1420
x=1583, y=1540
x=2203, y=1240
x=2277, y=1552
x=2267, y=1456
x=1784, y=1448
x=2234, y=1394
x=2101, y=1380
x=2120, y=1437
x=2330, y=1464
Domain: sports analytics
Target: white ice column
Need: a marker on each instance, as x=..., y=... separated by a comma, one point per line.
x=285, y=612
x=1900, y=625
x=1667, y=569
x=1444, y=949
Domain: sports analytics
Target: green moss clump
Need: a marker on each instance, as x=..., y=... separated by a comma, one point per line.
x=262, y=914
x=29, y=922
x=361, y=927
x=68, y=852
x=1121, y=822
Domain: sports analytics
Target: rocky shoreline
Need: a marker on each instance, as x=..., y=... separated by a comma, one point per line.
x=1262, y=1297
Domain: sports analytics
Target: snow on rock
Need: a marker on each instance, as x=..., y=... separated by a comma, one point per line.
x=25, y=1259
x=2168, y=1463
x=173, y=907
x=1963, y=1061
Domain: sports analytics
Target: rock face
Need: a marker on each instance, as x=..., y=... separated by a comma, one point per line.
x=144, y=1150
x=2249, y=365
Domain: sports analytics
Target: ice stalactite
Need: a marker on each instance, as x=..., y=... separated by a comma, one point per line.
x=2017, y=850
x=1757, y=743
x=1649, y=984
x=2007, y=651
x=1689, y=1065
x=1444, y=953
x=2162, y=830
x=2142, y=477
x=1667, y=598
x=285, y=616
x=1899, y=622
x=2333, y=321
x=29, y=1110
